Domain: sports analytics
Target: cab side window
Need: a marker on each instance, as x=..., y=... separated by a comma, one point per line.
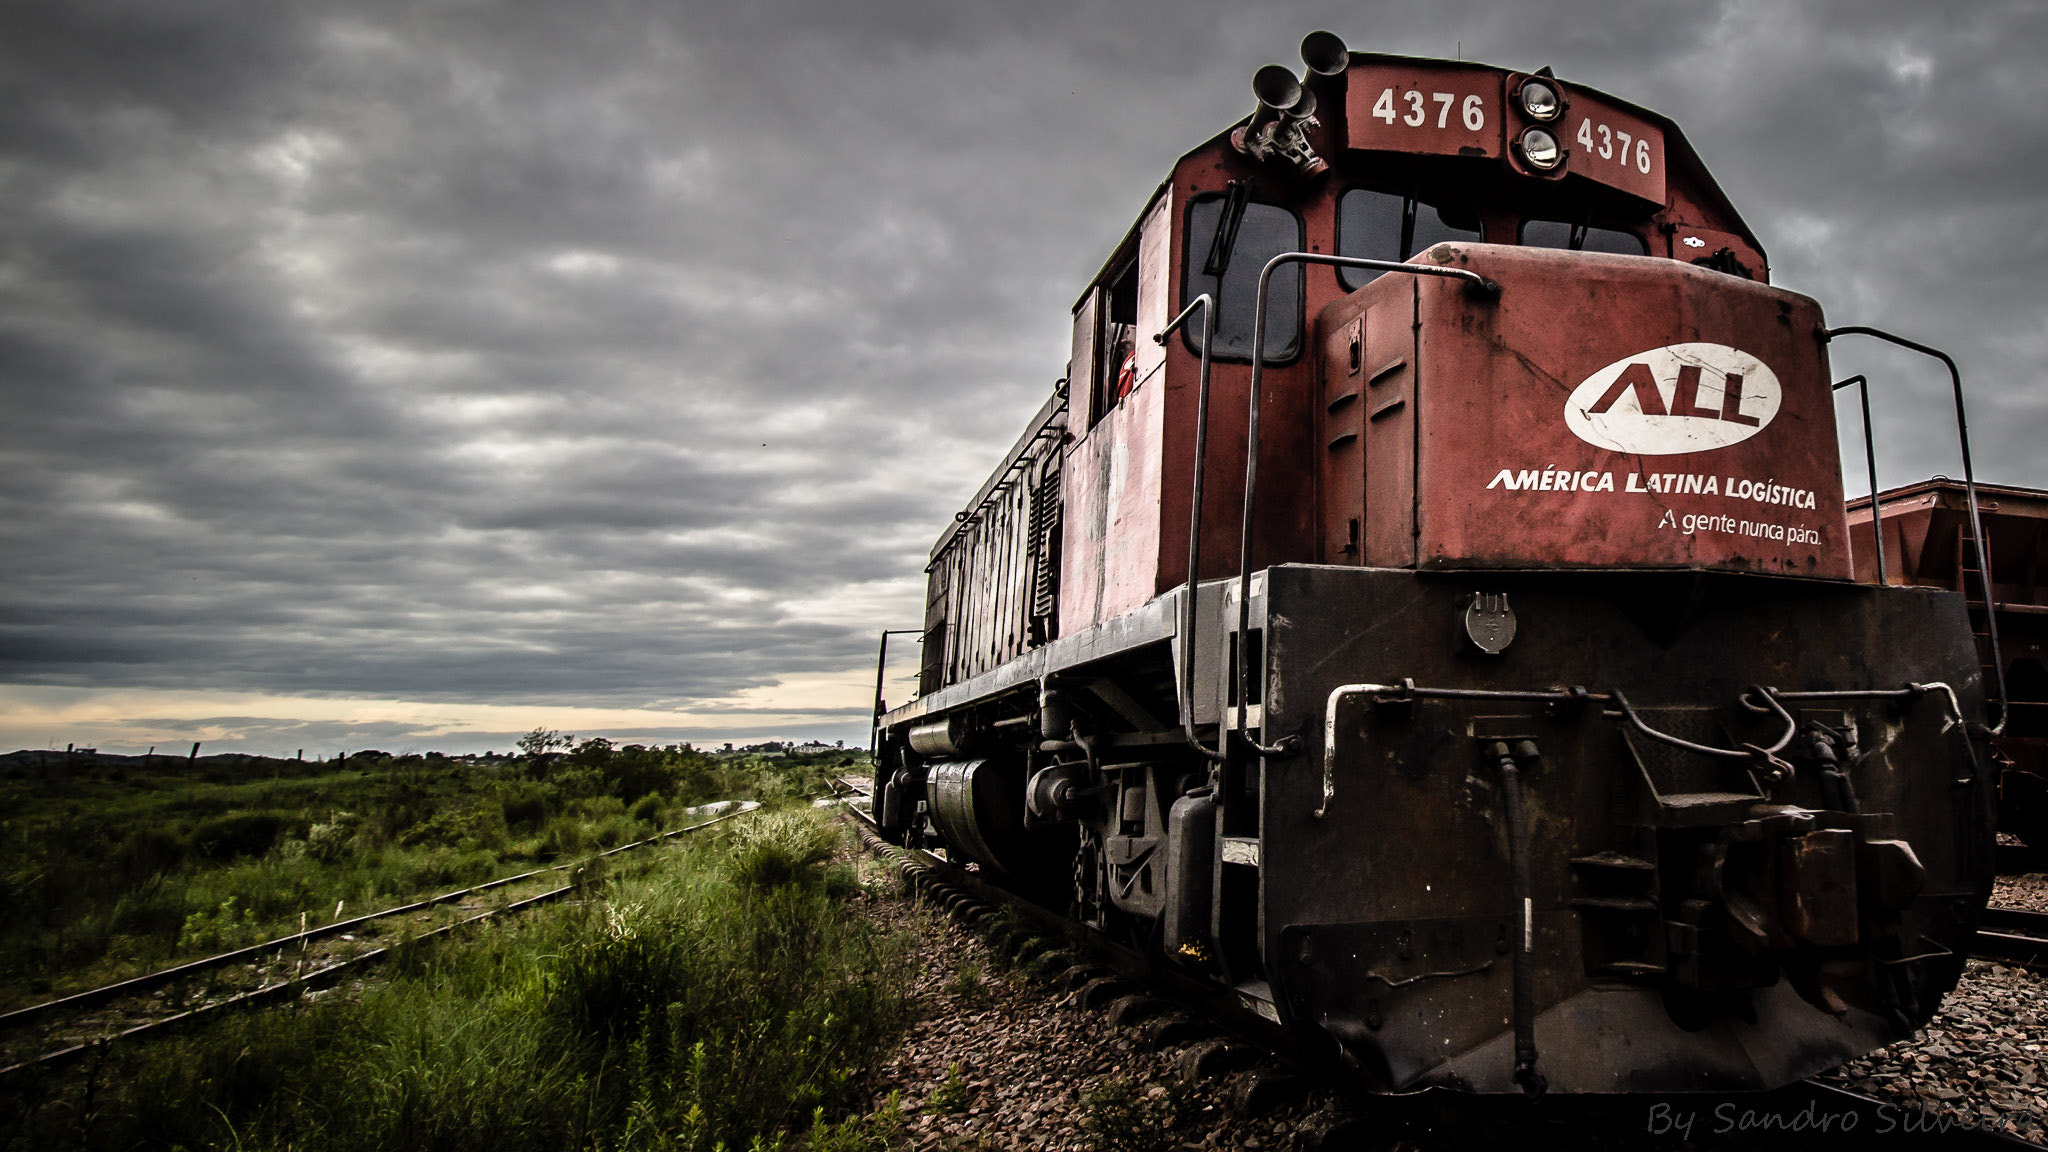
x=1227, y=242
x=1383, y=226
x=1118, y=371
x=1581, y=238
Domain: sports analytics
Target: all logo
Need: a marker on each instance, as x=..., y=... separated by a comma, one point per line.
x=1675, y=399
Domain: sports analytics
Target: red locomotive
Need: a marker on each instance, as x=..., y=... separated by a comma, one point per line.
x=1523, y=725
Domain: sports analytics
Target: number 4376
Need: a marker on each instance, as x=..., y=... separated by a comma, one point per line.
x=1614, y=144
x=1472, y=110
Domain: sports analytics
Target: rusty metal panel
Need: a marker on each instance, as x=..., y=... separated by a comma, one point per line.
x=1131, y=543
x=1818, y=878
x=1433, y=107
x=1390, y=357
x=1155, y=273
x=1087, y=518
x=1608, y=144
x=984, y=582
x=1683, y=420
x=1399, y=943
x=1084, y=375
x=1341, y=480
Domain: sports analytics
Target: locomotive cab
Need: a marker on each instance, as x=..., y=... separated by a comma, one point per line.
x=1425, y=608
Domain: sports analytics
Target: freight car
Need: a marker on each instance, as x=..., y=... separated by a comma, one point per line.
x=1927, y=540
x=1425, y=609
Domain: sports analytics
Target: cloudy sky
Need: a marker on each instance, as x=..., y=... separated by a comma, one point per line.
x=410, y=375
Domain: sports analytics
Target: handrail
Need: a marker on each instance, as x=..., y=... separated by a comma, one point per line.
x=1862, y=384
x=881, y=665
x=1955, y=377
x=1480, y=285
x=1207, y=304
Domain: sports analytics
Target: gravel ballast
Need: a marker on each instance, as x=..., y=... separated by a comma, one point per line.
x=996, y=1059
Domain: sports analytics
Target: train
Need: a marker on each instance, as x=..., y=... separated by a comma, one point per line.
x=1426, y=610
x=1928, y=538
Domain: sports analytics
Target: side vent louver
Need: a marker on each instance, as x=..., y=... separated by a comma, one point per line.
x=1045, y=552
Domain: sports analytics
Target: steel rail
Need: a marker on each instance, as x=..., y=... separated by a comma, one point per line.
x=318, y=978
x=2024, y=921
x=94, y=996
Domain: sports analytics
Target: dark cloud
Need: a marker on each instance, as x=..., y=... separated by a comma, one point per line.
x=623, y=353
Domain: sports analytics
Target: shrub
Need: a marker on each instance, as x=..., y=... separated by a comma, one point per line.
x=329, y=843
x=562, y=837
x=465, y=828
x=148, y=852
x=613, y=831
x=1122, y=1118
x=951, y=1094
x=218, y=929
x=782, y=848
x=524, y=805
x=238, y=834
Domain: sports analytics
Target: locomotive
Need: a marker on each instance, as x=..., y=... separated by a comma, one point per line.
x=1425, y=609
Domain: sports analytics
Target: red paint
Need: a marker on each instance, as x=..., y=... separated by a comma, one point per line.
x=1494, y=380
x=1125, y=533
x=1423, y=107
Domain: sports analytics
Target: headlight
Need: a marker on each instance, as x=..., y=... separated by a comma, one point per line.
x=1540, y=101
x=1540, y=150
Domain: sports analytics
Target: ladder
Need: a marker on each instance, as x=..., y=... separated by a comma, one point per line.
x=1970, y=582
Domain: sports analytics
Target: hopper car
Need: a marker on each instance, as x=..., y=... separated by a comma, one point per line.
x=1927, y=540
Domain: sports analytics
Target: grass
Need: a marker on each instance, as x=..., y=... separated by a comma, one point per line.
x=109, y=870
x=951, y=1093
x=1122, y=1117
x=733, y=998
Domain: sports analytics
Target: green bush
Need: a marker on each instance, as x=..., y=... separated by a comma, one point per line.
x=238, y=834
x=563, y=836
x=148, y=852
x=524, y=805
x=775, y=849
x=219, y=929
x=648, y=809
x=330, y=842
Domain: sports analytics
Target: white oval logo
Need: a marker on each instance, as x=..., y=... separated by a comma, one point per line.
x=1675, y=399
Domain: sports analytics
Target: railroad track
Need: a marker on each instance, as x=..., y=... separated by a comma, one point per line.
x=1174, y=1009
x=2013, y=936
x=327, y=970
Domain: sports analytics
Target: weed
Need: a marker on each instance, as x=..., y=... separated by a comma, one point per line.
x=648, y=808
x=967, y=983
x=951, y=1094
x=1002, y=932
x=1120, y=1117
x=240, y=834
x=218, y=929
x=782, y=848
